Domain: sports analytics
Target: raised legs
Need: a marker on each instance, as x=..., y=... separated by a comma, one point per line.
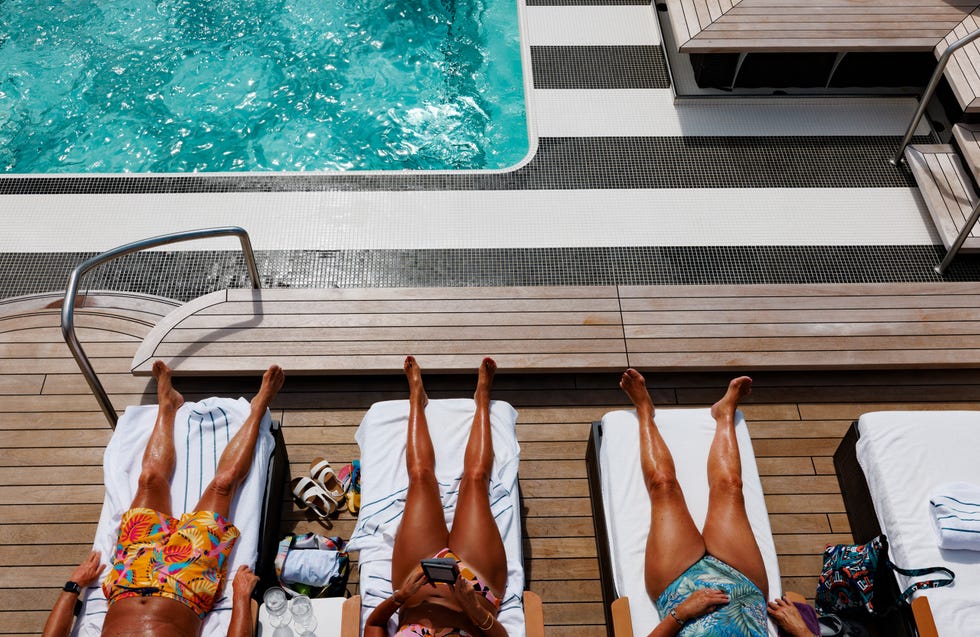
x=159, y=458
x=674, y=542
x=423, y=532
x=727, y=532
x=236, y=459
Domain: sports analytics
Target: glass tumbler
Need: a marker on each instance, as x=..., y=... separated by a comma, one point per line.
x=276, y=604
x=303, y=619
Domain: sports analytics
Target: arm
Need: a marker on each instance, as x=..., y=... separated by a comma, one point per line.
x=377, y=621
x=700, y=602
x=63, y=614
x=483, y=619
x=242, y=623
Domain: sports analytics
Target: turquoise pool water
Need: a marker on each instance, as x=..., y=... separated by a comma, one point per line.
x=175, y=86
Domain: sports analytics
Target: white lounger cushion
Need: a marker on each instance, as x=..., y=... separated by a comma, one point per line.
x=688, y=433
x=201, y=431
x=382, y=438
x=905, y=455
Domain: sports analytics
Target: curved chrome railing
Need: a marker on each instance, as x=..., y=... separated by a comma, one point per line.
x=68, y=307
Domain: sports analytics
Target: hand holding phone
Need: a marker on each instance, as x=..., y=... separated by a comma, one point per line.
x=440, y=569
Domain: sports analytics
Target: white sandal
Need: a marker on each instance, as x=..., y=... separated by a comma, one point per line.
x=311, y=495
x=323, y=475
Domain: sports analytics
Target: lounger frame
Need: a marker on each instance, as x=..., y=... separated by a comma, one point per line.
x=268, y=544
x=606, y=580
x=909, y=621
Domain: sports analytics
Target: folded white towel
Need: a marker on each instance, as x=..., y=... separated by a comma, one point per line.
x=314, y=568
x=955, y=509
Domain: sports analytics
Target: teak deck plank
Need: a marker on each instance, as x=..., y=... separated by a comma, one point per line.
x=584, y=328
x=777, y=26
x=50, y=472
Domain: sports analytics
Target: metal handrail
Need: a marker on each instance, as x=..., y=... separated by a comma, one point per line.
x=930, y=90
x=68, y=307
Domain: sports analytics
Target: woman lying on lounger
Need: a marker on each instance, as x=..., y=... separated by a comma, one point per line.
x=469, y=605
x=711, y=582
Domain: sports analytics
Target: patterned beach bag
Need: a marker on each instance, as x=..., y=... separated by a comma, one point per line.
x=847, y=581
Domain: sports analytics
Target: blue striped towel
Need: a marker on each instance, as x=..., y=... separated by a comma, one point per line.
x=955, y=509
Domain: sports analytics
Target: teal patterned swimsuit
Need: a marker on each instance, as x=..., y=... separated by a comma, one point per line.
x=743, y=616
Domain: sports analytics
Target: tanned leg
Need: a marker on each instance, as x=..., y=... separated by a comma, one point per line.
x=727, y=532
x=423, y=531
x=236, y=459
x=475, y=537
x=160, y=457
x=674, y=543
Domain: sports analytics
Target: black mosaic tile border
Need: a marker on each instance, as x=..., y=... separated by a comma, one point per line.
x=599, y=67
x=186, y=275
x=571, y=163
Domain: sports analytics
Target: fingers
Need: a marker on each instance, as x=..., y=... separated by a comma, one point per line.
x=779, y=602
x=89, y=570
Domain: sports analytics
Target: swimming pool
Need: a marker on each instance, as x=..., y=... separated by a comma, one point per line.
x=177, y=86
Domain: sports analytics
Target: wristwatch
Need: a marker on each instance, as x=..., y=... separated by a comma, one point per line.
x=71, y=587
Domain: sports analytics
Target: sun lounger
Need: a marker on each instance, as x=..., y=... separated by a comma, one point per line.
x=384, y=482
x=621, y=505
x=201, y=431
x=888, y=465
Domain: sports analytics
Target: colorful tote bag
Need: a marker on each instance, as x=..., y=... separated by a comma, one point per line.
x=847, y=580
x=313, y=565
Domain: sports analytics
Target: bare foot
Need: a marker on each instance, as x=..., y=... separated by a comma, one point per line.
x=787, y=616
x=738, y=389
x=416, y=391
x=272, y=381
x=635, y=386
x=167, y=396
x=484, y=381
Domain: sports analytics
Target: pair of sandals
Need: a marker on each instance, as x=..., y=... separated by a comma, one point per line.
x=322, y=491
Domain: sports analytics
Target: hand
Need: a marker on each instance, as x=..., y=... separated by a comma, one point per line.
x=244, y=582
x=701, y=602
x=787, y=616
x=469, y=600
x=413, y=582
x=88, y=571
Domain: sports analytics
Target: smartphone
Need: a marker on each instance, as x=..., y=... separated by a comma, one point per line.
x=440, y=569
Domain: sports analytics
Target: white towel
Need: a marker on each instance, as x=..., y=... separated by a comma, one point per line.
x=955, y=509
x=314, y=568
x=201, y=431
x=382, y=438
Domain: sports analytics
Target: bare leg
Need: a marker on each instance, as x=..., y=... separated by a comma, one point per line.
x=674, y=543
x=160, y=457
x=236, y=459
x=475, y=537
x=727, y=532
x=423, y=531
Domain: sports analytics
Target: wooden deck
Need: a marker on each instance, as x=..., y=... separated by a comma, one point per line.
x=573, y=329
x=780, y=26
x=53, y=437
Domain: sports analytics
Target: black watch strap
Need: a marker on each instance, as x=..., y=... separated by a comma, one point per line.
x=71, y=587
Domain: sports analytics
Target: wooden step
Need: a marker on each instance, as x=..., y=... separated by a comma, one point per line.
x=967, y=138
x=572, y=329
x=947, y=190
x=963, y=70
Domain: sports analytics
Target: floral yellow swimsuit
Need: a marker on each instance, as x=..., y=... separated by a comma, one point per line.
x=182, y=559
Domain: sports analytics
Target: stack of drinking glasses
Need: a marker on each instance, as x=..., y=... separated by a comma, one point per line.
x=282, y=612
